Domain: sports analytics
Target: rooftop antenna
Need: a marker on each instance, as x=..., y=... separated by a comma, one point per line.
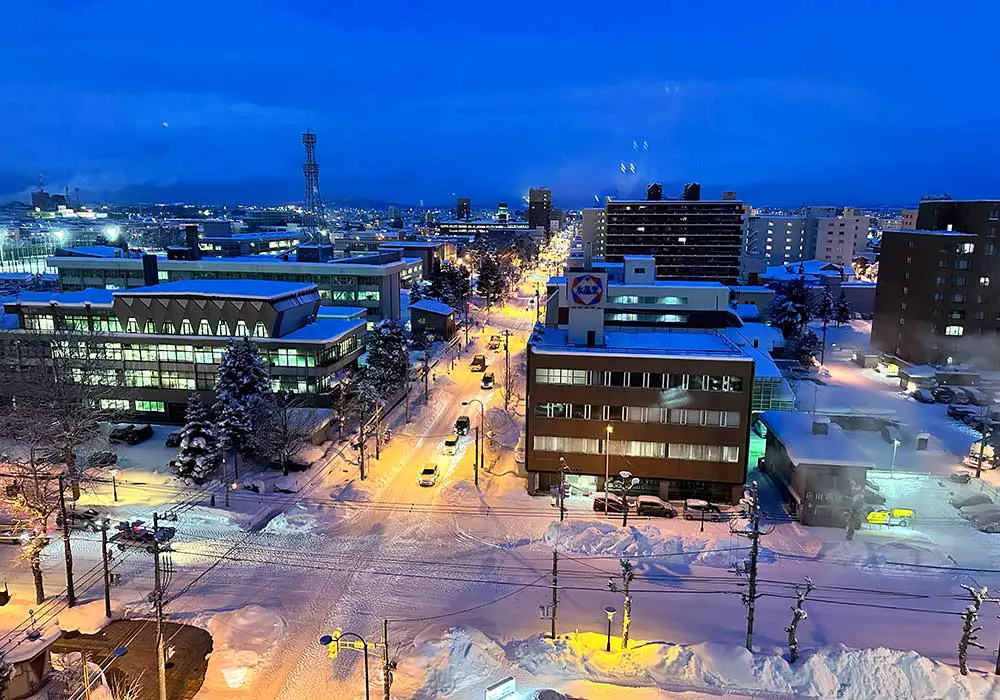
x=313, y=209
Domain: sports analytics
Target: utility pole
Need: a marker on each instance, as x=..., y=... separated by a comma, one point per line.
x=407, y=402
x=751, y=500
x=161, y=669
x=67, y=549
x=361, y=450
x=378, y=429
x=387, y=666
x=985, y=434
x=506, y=374
x=107, y=570
x=562, y=488
x=86, y=675
x=427, y=371
x=225, y=483
x=555, y=589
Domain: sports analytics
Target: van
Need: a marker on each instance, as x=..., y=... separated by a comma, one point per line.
x=451, y=444
x=697, y=509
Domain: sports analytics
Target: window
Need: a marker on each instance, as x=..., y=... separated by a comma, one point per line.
x=637, y=448
x=545, y=443
x=115, y=404
x=551, y=410
x=615, y=413
x=679, y=381
x=614, y=378
x=966, y=248
x=177, y=380
x=940, y=280
x=224, y=329
x=204, y=328
x=704, y=453
x=636, y=380
x=580, y=411
x=954, y=330
x=635, y=414
x=984, y=281
x=131, y=326
x=546, y=375
x=186, y=328
x=962, y=264
x=107, y=324
x=957, y=315
x=989, y=249
x=958, y=297
x=168, y=328
x=938, y=296
x=241, y=328
x=142, y=378
x=959, y=281
x=39, y=323
x=150, y=406
x=260, y=330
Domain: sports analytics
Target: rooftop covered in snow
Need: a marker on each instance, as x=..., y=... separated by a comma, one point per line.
x=267, y=290
x=794, y=430
x=432, y=306
x=660, y=343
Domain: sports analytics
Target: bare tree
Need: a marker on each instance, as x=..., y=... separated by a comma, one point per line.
x=30, y=490
x=798, y=615
x=345, y=401
x=290, y=425
x=969, y=627
x=125, y=688
x=510, y=390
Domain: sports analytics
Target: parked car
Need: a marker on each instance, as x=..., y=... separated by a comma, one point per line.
x=943, y=394
x=986, y=517
x=923, y=395
x=295, y=463
x=450, y=445
x=958, y=477
x=972, y=499
x=960, y=411
x=88, y=519
x=873, y=497
x=478, y=363
x=130, y=434
x=960, y=396
x=462, y=425
x=494, y=343
x=977, y=397
x=614, y=502
x=487, y=381
x=173, y=439
x=697, y=509
x=653, y=506
x=10, y=532
x=977, y=511
x=894, y=516
x=102, y=459
x=137, y=532
x=428, y=475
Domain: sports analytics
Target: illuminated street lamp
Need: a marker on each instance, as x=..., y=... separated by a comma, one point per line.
x=610, y=612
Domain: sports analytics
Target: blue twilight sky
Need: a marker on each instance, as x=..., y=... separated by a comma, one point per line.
x=785, y=101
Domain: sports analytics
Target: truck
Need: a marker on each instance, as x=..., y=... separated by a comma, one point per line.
x=989, y=450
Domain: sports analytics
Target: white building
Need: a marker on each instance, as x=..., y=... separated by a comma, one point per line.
x=592, y=229
x=908, y=220
x=840, y=239
x=772, y=240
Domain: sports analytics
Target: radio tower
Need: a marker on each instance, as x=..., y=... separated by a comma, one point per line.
x=313, y=211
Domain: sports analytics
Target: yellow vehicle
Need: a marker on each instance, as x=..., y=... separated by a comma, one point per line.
x=895, y=516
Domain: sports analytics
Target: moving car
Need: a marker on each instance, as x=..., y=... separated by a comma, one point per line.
x=130, y=434
x=697, y=509
x=653, y=506
x=488, y=381
x=429, y=475
x=88, y=519
x=494, y=343
x=462, y=425
x=614, y=502
x=478, y=363
x=450, y=445
x=895, y=516
x=923, y=395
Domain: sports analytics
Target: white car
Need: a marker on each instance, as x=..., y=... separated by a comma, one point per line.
x=450, y=445
x=429, y=475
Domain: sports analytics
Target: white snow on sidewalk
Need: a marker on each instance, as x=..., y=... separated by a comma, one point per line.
x=240, y=641
x=461, y=662
x=88, y=618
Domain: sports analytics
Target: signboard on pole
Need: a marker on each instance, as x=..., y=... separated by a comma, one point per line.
x=587, y=289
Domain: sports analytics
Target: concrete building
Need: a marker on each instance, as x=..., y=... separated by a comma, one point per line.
x=430, y=253
x=431, y=316
x=463, y=208
x=503, y=213
x=908, y=219
x=839, y=239
x=370, y=281
x=934, y=301
x=592, y=229
x=156, y=345
x=690, y=239
x=540, y=208
x=772, y=240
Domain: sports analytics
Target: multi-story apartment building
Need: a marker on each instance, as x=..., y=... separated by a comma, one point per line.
x=592, y=229
x=154, y=346
x=770, y=239
x=839, y=239
x=690, y=239
x=671, y=407
x=931, y=301
x=540, y=208
x=908, y=219
x=369, y=281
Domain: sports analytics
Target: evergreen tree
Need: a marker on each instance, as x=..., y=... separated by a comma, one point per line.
x=841, y=310
x=388, y=362
x=491, y=284
x=200, y=454
x=790, y=308
x=805, y=346
x=242, y=381
x=824, y=306
x=451, y=285
x=421, y=289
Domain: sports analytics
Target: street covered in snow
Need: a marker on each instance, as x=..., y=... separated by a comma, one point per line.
x=457, y=572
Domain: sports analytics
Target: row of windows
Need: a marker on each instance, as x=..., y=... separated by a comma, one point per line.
x=638, y=380
x=126, y=405
x=639, y=414
x=647, y=317
x=635, y=299
x=637, y=448
x=277, y=357
x=111, y=325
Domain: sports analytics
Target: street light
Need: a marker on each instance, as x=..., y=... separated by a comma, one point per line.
x=892, y=467
x=607, y=465
x=479, y=437
x=610, y=612
x=628, y=483
x=563, y=469
x=326, y=640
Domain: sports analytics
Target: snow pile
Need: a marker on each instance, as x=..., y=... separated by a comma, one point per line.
x=883, y=555
x=88, y=618
x=600, y=538
x=457, y=664
x=240, y=641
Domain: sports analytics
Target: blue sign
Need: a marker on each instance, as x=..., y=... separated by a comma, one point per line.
x=587, y=290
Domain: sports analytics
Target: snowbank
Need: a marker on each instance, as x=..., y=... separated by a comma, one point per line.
x=459, y=662
x=598, y=537
x=88, y=618
x=240, y=641
x=883, y=555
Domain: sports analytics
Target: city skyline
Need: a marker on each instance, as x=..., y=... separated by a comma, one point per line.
x=784, y=106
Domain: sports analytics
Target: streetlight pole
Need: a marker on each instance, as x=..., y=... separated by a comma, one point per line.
x=480, y=436
x=326, y=640
x=610, y=612
x=607, y=464
x=892, y=467
x=627, y=484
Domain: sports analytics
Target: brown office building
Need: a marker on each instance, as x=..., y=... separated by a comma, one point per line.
x=677, y=403
x=935, y=302
x=540, y=208
x=691, y=240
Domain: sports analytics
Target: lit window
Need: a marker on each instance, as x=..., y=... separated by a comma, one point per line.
x=131, y=326
x=186, y=328
x=241, y=328
x=966, y=247
x=149, y=327
x=168, y=328
x=984, y=281
x=954, y=330
x=204, y=328
x=224, y=329
x=260, y=330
